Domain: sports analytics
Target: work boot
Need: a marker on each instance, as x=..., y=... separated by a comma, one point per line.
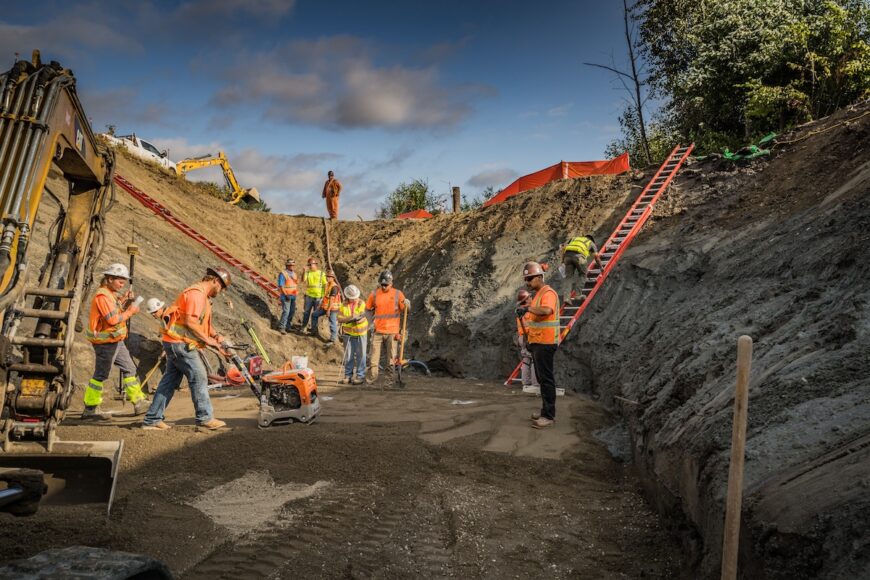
x=140, y=407
x=344, y=381
x=159, y=426
x=283, y=331
x=213, y=425
x=543, y=423
x=359, y=381
x=95, y=413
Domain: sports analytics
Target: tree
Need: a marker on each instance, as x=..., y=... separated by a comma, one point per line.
x=478, y=201
x=410, y=196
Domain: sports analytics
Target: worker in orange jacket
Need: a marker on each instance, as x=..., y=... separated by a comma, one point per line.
x=288, y=286
x=385, y=306
x=331, y=190
x=543, y=336
x=527, y=365
x=107, y=330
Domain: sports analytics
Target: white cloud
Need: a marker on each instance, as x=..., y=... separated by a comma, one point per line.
x=497, y=178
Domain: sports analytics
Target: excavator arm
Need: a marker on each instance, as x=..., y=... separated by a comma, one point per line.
x=238, y=194
x=43, y=128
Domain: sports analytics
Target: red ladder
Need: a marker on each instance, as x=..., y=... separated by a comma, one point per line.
x=163, y=212
x=616, y=244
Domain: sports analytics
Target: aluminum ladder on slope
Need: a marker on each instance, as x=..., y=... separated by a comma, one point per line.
x=270, y=287
x=614, y=247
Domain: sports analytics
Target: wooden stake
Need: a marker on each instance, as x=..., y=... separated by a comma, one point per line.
x=734, y=500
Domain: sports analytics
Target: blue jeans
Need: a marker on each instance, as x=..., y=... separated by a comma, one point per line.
x=333, y=322
x=355, y=356
x=288, y=309
x=311, y=306
x=181, y=363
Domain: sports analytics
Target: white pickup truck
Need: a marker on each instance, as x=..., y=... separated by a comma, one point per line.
x=141, y=148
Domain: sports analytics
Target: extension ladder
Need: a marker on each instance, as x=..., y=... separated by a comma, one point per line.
x=270, y=287
x=614, y=247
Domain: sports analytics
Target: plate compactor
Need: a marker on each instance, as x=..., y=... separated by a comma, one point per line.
x=286, y=395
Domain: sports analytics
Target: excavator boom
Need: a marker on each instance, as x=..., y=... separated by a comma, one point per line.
x=43, y=127
x=238, y=194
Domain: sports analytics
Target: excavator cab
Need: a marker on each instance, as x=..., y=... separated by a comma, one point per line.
x=43, y=128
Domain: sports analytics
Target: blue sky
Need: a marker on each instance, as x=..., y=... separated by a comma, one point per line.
x=458, y=93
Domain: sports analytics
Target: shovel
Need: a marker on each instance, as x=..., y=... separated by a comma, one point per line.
x=400, y=362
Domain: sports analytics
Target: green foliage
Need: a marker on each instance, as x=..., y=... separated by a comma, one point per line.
x=478, y=201
x=733, y=68
x=410, y=196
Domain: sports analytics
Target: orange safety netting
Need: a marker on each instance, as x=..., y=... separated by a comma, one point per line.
x=562, y=170
x=416, y=214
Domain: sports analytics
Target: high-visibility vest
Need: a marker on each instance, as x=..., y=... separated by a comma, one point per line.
x=331, y=303
x=386, y=311
x=581, y=245
x=544, y=329
x=315, y=283
x=289, y=288
x=177, y=330
x=100, y=330
x=354, y=328
x=527, y=317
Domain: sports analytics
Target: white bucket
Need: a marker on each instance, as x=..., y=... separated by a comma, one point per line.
x=299, y=362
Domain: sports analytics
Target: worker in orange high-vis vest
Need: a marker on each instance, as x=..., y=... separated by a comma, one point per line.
x=386, y=305
x=543, y=334
x=329, y=306
x=288, y=287
x=107, y=330
x=331, y=191
x=527, y=366
x=189, y=329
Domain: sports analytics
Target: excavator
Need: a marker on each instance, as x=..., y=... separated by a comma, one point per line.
x=238, y=194
x=43, y=130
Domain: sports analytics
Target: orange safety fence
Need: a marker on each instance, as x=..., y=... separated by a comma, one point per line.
x=562, y=170
x=416, y=214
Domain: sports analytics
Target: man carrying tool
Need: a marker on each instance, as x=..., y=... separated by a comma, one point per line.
x=386, y=305
x=575, y=257
x=107, y=329
x=355, y=325
x=543, y=336
x=331, y=189
x=288, y=288
x=189, y=330
x=315, y=288
x=329, y=306
x=527, y=368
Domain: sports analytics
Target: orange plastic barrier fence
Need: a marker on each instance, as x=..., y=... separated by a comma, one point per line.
x=416, y=214
x=562, y=170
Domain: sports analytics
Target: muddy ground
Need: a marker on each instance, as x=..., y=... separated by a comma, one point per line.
x=442, y=479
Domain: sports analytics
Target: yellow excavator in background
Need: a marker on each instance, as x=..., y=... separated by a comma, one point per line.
x=44, y=128
x=238, y=194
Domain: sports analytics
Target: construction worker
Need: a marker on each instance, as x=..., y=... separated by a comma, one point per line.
x=527, y=365
x=543, y=335
x=331, y=189
x=288, y=287
x=385, y=305
x=107, y=330
x=329, y=306
x=575, y=257
x=355, y=326
x=189, y=330
x=315, y=288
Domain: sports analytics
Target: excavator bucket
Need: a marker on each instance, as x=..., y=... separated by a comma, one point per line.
x=75, y=472
x=251, y=195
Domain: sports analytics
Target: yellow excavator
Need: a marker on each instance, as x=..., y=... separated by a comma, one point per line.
x=43, y=129
x=238, y=194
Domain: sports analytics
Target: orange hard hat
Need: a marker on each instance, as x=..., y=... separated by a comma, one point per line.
x=532, y=269
x=523, y=295
x=221, y=274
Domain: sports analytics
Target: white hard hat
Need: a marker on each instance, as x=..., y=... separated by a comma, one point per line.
x=352, y=292
x=118, y=271
x=153, y=305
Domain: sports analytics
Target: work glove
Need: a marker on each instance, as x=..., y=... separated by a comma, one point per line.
x=521, y=311
x=407, y=303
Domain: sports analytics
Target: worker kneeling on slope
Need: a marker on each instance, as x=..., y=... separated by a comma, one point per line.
x=543, y=335
x=189, y=329
x=107, y=330
x=575, y=258
x=386, y=305
x=355, y=325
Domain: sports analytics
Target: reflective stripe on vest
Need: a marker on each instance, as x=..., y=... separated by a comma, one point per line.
x=99, y=331
x=581, y=245
x=355, y=328
x=314, y=287
x=331, y=303
x=544, y=331
x=178, y=330
x=289, y=288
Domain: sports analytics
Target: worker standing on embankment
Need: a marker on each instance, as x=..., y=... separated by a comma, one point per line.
x=331, y=190
x=355, y=326
x=386, y=305
x=107, y=330
x=315, y=288
x=329, y=306
x=288, y=287
x=543, y=335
